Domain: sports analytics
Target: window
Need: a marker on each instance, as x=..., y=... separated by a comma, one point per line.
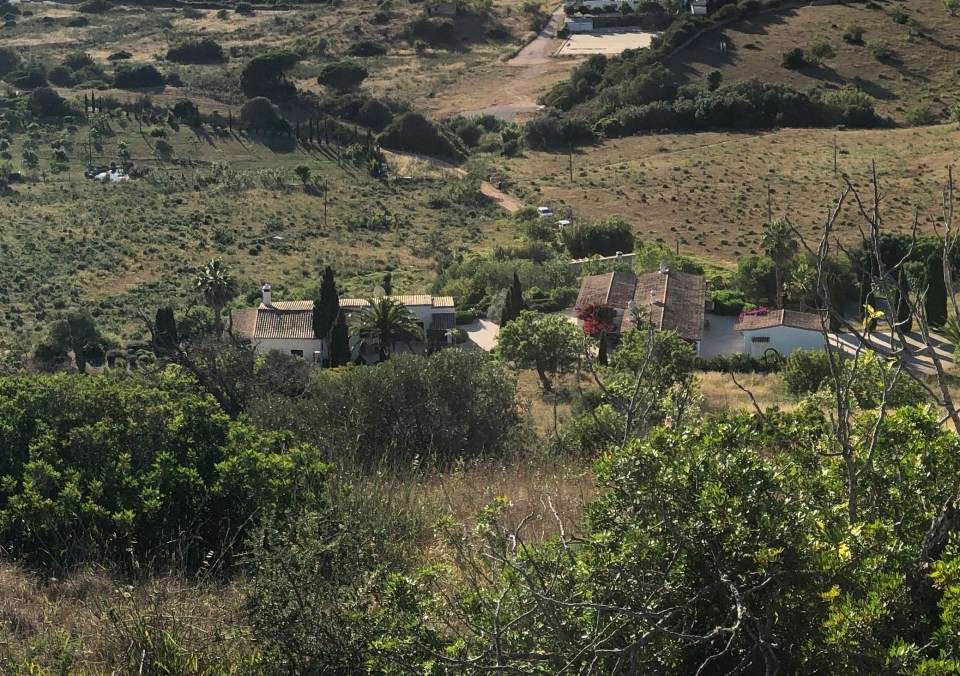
x=760, y=339
x=297, y=353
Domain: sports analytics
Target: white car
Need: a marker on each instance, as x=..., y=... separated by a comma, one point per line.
x=544, y=212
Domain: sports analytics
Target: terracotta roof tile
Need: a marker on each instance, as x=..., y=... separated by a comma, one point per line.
x=808, y=321
x=243, y=322
x=277, y=323
x=615, y=288
x=673, y=301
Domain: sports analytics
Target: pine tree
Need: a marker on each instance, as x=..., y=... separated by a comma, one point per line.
x=936, y=300
x=904, y=316
x=326, y=307
x=340, y=342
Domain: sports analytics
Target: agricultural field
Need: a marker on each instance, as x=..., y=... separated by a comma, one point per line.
x=903, y=54
x=709, y=192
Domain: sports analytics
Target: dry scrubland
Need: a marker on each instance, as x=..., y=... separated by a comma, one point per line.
x=921, y=37
x=710, y=190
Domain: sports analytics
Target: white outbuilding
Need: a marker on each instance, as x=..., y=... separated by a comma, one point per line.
x=783, y=331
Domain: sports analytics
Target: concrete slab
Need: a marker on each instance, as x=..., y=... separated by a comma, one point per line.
x=720, y=338
x=606, y=41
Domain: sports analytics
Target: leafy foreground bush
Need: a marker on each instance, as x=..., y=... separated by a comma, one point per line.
x=120, y=470
x=733, y=545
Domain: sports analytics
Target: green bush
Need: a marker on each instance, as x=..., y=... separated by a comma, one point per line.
x=94, y=6
x=793, y=59
x=919, y=116
x=119, y=470
x=728, y=302
x=414, y=133
x=137, y=77
x=822, y=50
x=206, y=50
x=259, y=114
x=879, y=49
x=463, y=317
x=853, y=35
x=605, y=238
x=342, y=75
x=804, y=371
x=366, y=48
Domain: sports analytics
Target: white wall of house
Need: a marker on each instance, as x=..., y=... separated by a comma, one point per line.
x=288, y=345
x=783, y=339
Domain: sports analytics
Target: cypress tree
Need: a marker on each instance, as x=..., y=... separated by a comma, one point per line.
x=388, y=284
x=936, y=300
x=508, y=310
x=516, y=296
x=904, y=316
x=326, y=307
x=340, y=342
x=165, y=337
x=602, y=354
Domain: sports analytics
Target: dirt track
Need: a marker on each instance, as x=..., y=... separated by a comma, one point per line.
x=516, y=95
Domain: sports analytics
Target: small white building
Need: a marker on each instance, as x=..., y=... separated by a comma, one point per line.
x=698, y=7
x=783, y=331
x=287, y=326
x=579, y=24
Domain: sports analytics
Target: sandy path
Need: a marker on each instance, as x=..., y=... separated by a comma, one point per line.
x=529, y=71
x=395, y=158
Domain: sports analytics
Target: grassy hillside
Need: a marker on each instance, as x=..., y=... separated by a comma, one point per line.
x=117, y=248
x=921, y=37
x=422, y=54
x=710, y=190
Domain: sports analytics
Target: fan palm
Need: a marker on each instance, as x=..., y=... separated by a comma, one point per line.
x=780, y=245
x=218, y=287
x=389, y=322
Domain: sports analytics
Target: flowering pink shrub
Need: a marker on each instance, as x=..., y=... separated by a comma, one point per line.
x=597, y=318
x=756, y=312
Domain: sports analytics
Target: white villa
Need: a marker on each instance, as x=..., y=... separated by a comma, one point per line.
x=783, y=331
x=287, y=326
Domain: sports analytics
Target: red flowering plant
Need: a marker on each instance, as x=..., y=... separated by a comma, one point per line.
x=597, y=318
x=756, y=312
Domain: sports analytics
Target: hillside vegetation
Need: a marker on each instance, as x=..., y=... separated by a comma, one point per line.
x=903, y=54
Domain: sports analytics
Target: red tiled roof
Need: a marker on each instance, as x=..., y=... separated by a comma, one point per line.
x=615, y=288
x=671, y=301
x=807, y=321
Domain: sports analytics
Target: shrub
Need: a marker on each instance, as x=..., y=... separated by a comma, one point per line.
x=261, y=115
x=61, y=76
x=187, y=111
x=78, y=22
x=432, y=30
x=366, y=48
x=413, y=132
x=821, y=50
x=9, y=61
x=206, y=50
x=605, y=237
x=853, y=35
x=137, y=77
x=45, y=102
x=879, y=49
x=463, y=317
x=243, y=8
x=805, y=370
x=922, y=116
x=342, y=75
x=375, y=114
x=714, y=80
x=793, y=59
x=120, y=56
x=851, y=107
x=727, y=302
x=94, y=6
x=265, y=75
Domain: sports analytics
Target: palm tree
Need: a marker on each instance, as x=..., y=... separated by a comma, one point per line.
x=389, y=322
x=218, y=287
x=780, y=245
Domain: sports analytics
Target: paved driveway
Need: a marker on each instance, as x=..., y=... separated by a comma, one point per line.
x=720, y=338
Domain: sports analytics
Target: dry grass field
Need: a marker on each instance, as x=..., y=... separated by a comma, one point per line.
x=922, y=38
x=709, y=192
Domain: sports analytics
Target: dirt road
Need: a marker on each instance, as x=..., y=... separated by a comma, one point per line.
x=407, y=164
x=529, y=72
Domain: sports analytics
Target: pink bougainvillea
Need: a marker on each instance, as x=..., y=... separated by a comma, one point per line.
x=756, y=312
x=597, y=318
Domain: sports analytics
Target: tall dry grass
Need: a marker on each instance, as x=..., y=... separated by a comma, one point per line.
x=721, y=395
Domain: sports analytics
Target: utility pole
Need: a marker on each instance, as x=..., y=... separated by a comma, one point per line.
x=769, y=204
x=570, y=158
x=324, y=204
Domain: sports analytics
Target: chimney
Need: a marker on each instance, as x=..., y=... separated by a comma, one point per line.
x=664, y=269
x=266, y=294
x=619, y=255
